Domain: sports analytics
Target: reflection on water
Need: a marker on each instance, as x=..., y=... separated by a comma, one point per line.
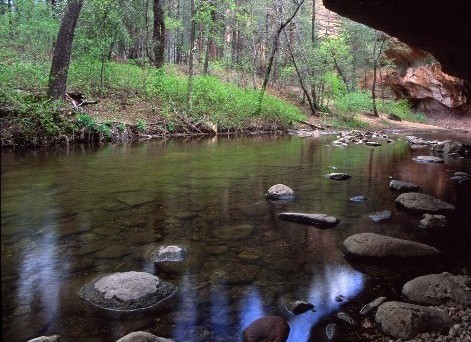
x=68, y=217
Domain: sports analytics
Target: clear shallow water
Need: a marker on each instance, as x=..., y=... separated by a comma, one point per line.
x=68, y=216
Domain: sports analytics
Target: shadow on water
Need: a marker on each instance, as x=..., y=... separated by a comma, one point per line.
x=68, y=216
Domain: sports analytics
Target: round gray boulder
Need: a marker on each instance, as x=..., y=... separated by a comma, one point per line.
x=403, y=186
x=126, y=291
x=280, y=192
x=317, y=220
x=421, y=203
x=403, y=320
x=371, y=245
x=438, y=289
x=143, y=336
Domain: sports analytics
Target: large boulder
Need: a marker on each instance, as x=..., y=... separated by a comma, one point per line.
x=143, y=336
x=318, y=220
x=421, y=203
x=371, y=245
x=403, y=320
x=438, y=289
x=126, y=291
x=449, y=147
x=280, y=192
x=403, y=186
x=267, y=329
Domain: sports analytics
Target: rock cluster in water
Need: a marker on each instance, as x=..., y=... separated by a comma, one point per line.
x=373, y=139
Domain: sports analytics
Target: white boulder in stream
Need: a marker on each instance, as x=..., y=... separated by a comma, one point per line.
x=126, y=291
x=371, y=245
x=404, y=320
x=438, y=289
x=169, y=253
x=428, y=159
x=280, y=192
x=317, y=220
x=421, y=203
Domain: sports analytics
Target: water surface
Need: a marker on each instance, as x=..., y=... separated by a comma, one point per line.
x=70, y=215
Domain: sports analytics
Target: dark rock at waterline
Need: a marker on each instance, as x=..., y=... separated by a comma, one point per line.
x=366, y=309
x=372, y=143
x=403, y=320
x=421, y=203
x=318, y=220
x=143, y=336
x=267, y=329
x=280, y=192
x=433, y=223
x=428, y=159
x=338, y=176
x=461, y=178
x=439, y=289
x=380, y=215
x=403, y=186
x=126, y=291
x=300, y=307
x=371, y=245
x=359, y=198
x=449, y=147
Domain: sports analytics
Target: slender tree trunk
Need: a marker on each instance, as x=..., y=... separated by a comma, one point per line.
x=62, y=51
x=341, y=73
x=301, y=81
x=158, y=34
x=192, y=53
x=276, y=40
x=313, y=23
x=376, y=57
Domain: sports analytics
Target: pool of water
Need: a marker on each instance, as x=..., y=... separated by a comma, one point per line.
x=68, y=216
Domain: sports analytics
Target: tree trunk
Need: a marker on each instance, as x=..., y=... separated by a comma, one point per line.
x=192, y=54
x=158, y=34
x=376, y=57
x=61, y=57
x=313, y=23
x=273, y=52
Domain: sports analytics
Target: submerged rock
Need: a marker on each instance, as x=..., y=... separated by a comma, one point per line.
x=403, y=320
x=359, y=198
x=126, y=291
x=433, y=223
x=143, y=336
x=347, y=319
x=169, y=253
x=332, y=331
x=280, y=192
x=300, y=307
x=438, y=289
x=318, y=220
x=233, y=233
x=338, y=176
x=421, y=203
x=265, y=329
x=428, y=159
x=403, y=186
x=373, y=245
x=380, y=215
x=366, y=309
x=53, y=338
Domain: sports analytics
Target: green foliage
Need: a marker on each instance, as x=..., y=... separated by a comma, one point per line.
x=402, y=109
x=141, y=125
